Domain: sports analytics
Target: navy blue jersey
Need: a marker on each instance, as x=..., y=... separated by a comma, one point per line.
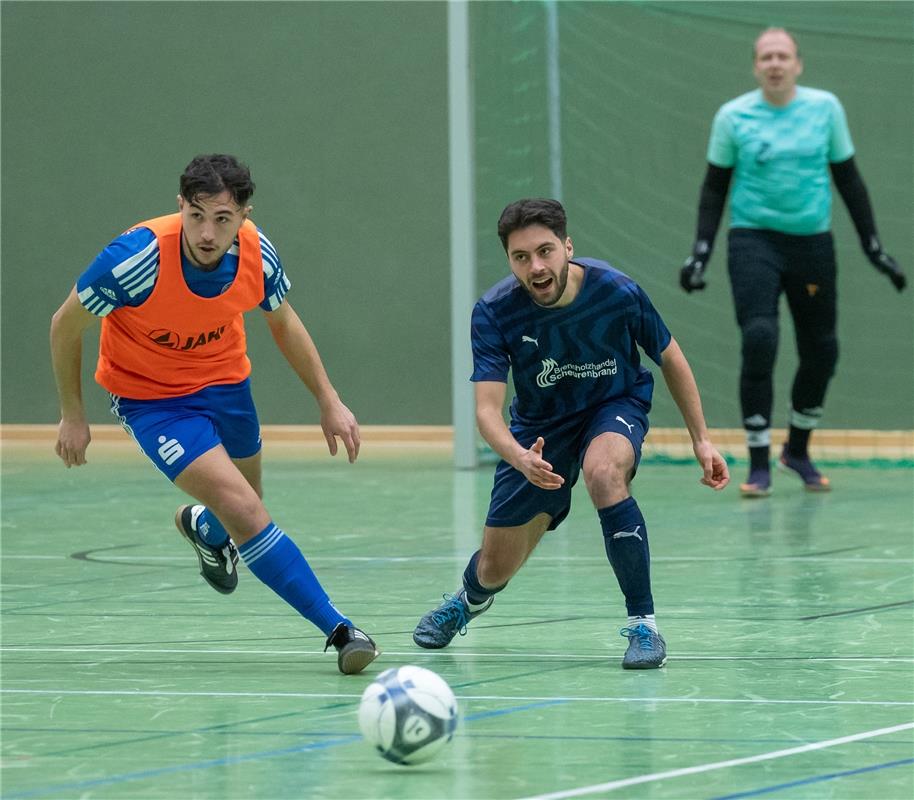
x=565, y=360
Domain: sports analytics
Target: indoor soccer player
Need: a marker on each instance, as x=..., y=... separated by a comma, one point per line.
x=569, y=330
x=171, y=293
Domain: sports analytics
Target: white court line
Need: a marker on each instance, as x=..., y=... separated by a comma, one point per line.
x=735, y=762
x=526, y=654
x=133, y=557
x=498, y=697
x=8, y=557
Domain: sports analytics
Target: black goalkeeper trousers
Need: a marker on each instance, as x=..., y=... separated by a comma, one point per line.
x=762, y=265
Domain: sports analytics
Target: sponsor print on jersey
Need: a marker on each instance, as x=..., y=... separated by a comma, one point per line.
x=553, y=372
x=171, y=340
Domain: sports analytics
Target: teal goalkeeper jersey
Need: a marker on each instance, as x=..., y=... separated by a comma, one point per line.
x=780, y=156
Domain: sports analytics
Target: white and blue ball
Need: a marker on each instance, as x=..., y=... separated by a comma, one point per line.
x=408, y=714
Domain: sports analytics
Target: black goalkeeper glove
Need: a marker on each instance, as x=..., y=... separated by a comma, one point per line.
x=692, y=274
x=885, y=263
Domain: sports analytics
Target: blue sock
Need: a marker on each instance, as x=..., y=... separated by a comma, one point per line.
x=625, y=537
x=276, y=560
x=477, y=594
x=210, y=529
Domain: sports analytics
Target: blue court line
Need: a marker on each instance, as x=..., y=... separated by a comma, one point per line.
x=503, y=711
x=231, y=760
x=677, y=739
x=514, y=675
x=817, y=779
x=154, y=773
x=230, y=728
x=236, y=729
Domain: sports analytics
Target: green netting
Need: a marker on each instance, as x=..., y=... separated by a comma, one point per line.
x=640, y=83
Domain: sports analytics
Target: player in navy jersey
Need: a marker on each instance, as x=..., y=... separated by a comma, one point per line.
x=171, y=293
x=569, y=331
x=778, y=144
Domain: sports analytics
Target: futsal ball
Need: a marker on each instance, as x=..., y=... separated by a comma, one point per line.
x=408, y=714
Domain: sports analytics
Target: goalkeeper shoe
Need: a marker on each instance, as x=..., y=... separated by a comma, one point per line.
x=217, y=564
x=758, y=484
x=813, y=480
x=436, y=629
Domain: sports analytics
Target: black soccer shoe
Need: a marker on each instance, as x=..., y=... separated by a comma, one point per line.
x=217, y=564
x=355, y=648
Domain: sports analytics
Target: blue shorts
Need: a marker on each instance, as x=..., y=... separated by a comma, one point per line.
x=515, y=501
x=176, y=431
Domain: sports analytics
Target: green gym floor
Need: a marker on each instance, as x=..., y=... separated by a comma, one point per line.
x=788, y=622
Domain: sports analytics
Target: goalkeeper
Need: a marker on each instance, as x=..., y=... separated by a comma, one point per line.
x=776, y=145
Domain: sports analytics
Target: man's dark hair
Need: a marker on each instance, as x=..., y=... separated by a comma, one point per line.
x=214, y=174
x=532, y=211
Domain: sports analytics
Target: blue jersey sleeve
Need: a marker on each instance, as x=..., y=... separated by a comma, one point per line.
x=275, y=282
x=123, y=274
x=491, y=361
x=651, y=333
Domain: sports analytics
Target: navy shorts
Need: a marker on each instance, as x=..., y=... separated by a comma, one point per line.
x=515, y=501
x=175, y=431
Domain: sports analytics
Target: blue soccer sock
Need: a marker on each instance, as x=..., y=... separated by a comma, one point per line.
x=625, y=537
x=476, y=593
x=276, y=560
x=210, y=529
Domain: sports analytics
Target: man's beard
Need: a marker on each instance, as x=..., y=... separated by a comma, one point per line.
x=560, y=282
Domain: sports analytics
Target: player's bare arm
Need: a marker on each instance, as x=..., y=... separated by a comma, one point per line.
x=67, y=327
x=681, y=382
x=296, y=345
x=490, y=400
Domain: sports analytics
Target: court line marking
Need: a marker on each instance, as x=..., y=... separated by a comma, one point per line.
x=461, y=559
x=498, y=697
x=226, y=761
x=128, y=777
x=816, y=779
x=153, y=650
x=715, y=765
x=851, y=611
x=240, y=728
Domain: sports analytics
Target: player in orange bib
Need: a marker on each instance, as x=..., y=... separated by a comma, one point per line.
x=171, y=293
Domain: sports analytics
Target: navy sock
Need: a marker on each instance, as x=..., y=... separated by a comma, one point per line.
x=210, y=529
x=625, y=537
x=798, y=442
x=276, y=560
x=760, y=458
x=477, y=594
x=804, y=419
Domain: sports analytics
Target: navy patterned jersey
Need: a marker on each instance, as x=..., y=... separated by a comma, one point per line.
x=565, y=360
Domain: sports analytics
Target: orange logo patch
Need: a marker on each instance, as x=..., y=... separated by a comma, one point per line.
x=812, y=288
